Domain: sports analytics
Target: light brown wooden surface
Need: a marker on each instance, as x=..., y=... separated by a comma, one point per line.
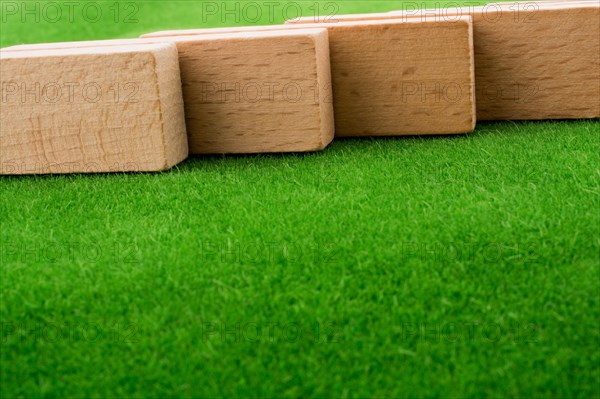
x=264, y=92
x=111, y=109
x=394, y=78
x=537, y=62
x=250, y=93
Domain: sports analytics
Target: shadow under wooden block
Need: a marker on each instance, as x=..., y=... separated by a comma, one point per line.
x=109, y=109
x=393, y=78
x=533, y=60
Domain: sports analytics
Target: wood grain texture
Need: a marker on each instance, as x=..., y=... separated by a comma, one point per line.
x=111, y=109
x=264, y=92
x=250, y=93
x=538, y=61
x=393, y=78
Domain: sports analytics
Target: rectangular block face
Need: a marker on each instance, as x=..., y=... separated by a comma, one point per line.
x=533, y=60
x=268, y=92
x=249, y=93
x=545, y=66
x=111, y=109
x=393, y=78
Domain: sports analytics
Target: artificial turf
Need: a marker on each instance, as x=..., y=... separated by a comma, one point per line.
x=461, y=266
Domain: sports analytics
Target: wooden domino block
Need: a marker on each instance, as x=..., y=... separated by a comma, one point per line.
x=534, y=61
x=111, y=109
x=251, y=93
x=396, y=78
x=264, y=92
x=393, y=78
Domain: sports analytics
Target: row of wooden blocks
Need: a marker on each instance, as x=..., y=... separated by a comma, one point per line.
x=145, y=104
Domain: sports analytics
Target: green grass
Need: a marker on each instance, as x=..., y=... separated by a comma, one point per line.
x=462, y=266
